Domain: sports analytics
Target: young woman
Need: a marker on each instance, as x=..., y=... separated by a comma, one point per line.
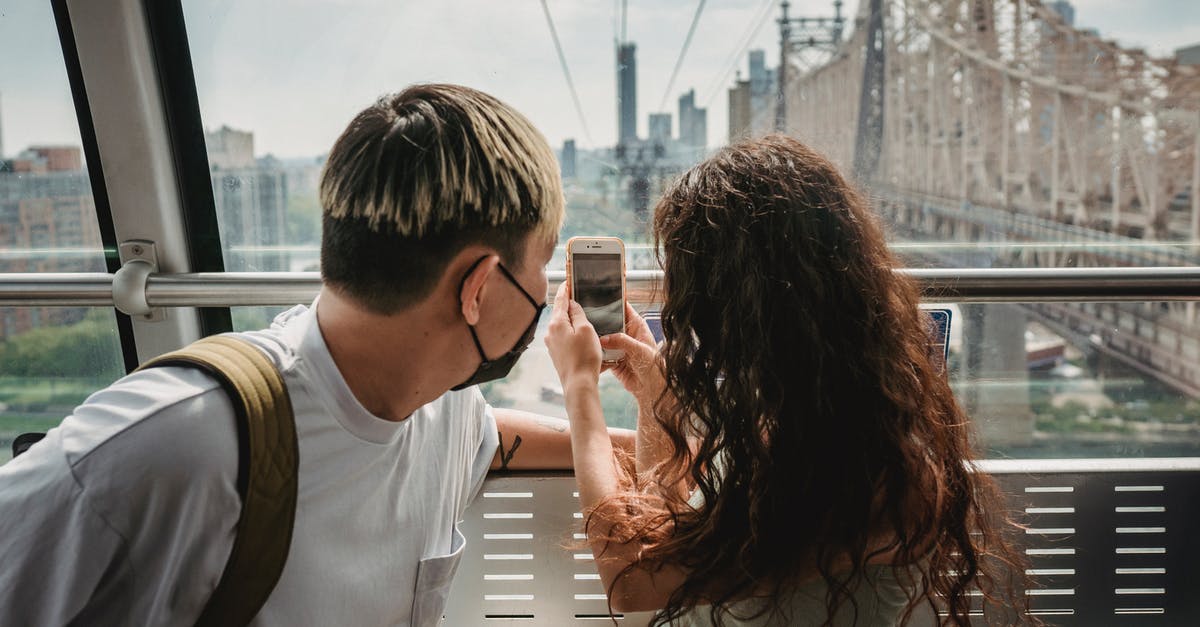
x=800, y=456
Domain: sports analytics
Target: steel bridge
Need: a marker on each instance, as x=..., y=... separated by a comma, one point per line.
x=997, y=135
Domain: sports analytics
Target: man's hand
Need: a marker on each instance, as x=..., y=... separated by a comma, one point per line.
x=545, y=441
x=573, y=344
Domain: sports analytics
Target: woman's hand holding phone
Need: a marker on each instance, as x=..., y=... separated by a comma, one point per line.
x=640, y=370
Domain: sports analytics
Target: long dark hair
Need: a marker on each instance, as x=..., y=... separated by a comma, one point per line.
x=797, y=364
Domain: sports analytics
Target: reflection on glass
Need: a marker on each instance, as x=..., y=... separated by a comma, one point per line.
x=1059, y=380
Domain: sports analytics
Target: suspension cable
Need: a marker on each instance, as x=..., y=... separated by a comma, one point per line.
x=752, y=30
x=562, y=60
x=687, y=41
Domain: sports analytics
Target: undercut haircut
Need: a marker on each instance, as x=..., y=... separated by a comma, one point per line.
x=421, y=174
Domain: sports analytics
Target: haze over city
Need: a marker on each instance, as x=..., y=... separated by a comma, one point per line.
x=294, y=73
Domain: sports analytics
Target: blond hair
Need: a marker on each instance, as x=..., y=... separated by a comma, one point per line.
x=439, y=156
x=421, y=174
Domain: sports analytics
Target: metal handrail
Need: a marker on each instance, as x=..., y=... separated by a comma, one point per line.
x=962, y=285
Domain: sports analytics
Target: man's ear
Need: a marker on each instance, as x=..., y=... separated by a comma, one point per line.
x=474, y=286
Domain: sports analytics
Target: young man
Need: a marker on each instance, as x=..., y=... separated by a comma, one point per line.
x=442, y=208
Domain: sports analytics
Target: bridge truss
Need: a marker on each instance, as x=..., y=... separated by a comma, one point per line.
x=996, y=127
x=1001, y=103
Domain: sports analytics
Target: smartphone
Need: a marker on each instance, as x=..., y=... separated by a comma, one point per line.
x=596, y=272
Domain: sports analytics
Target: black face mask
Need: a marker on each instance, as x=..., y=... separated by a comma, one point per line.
x=498, y=368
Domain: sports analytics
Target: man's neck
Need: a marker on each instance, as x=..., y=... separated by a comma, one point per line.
x=392, y=364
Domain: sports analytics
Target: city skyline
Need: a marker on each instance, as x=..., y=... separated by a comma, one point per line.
x=254, y=87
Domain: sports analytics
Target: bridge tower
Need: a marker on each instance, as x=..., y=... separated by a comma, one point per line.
x=994, y=375
x=798, y=35
x=868, y=141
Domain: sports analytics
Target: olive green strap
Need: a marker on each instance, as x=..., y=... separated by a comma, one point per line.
x=264, y=529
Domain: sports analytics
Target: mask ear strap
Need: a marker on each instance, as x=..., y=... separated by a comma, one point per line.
x=513, y=279
x=470, y=327
x=479, y=347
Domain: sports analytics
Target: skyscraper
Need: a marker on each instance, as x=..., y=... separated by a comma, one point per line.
x=660, y=127
x=693, y=124
x=626, y=93
x=762, y=94
x=567, y=159
x=251, y=197
x=739, y=110
x=229, y=149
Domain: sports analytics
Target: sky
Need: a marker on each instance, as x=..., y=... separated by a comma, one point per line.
x=296, y=71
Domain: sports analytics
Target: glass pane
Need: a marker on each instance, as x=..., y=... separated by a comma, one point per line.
x=275, y=99
x=51, y=359
x=47, y=216
x=1077, y=380
x=255, y=318
x=977, y=167
x=533, y=386
x=1049, y=380
x=985, y=169
x=1028, y=134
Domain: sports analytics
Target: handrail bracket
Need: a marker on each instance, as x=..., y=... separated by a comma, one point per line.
x=139, y=260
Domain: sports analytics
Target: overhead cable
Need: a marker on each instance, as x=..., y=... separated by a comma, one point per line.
x=752, y=30
x=687, y=41
x=562, y=60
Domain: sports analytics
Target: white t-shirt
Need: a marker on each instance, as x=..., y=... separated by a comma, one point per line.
x=125, y=513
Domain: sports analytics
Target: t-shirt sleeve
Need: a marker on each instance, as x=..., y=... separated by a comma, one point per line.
x=125, y=513
x=54, y=548
x=488, y=440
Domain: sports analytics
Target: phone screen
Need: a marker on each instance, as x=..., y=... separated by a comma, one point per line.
x=597, y=285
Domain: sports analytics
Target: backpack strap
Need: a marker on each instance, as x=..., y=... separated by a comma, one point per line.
x=267, y=432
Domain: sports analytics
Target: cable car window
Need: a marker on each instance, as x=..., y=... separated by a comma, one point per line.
x=51, y=358
x=971, y=162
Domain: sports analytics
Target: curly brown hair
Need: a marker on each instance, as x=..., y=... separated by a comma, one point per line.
x=797, y=363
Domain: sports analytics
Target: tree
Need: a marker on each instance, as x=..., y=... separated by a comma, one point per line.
x=88, y=348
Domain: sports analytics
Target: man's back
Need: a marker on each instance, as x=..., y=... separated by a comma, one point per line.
x=135, y=498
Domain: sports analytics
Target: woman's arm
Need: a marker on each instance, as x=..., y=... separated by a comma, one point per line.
x=576, y=352
x=640, y=372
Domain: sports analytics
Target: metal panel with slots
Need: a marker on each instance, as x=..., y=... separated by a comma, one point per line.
x=526, y=561
x=1111, y=548
x=1105, y=547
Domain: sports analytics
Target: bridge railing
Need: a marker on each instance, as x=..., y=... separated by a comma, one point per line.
x=1017, y=224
